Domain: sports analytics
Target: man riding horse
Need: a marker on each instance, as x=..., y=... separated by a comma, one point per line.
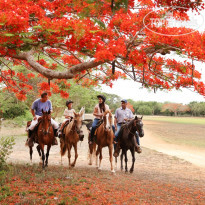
x=38, y=105
x=122, y=116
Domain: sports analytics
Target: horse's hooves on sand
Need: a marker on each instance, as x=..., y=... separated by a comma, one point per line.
x=131, y=171
x=99, y=168
x=89, y=163
x=113, y=171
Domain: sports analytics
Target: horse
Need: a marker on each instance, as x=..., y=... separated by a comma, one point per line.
x=104, y=138
x=44, y=136
x=72, y=134
x=127, y=140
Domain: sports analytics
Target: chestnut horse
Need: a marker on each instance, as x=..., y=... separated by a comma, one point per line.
x=104, y=138
x=72, y=134
x=44, y=136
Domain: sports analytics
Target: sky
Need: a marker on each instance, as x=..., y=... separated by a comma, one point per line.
x=129, y=89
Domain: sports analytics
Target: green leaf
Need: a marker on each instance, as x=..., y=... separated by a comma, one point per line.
x=9, y=34
x=94, y=31
x=27, y=40
x=100, y=23
x=37, y=27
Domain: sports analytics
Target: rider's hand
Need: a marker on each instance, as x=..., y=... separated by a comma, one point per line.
x=34, y=118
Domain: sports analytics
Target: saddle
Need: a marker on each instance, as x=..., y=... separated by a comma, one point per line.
x=34, y=131
x=66, y=123
x=98, y=125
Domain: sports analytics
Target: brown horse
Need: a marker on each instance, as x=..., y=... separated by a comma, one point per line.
x=44, y=136
x=104, y=138
x=72, y=134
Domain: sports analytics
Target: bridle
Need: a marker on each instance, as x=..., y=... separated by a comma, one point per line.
x=129, y=130
x=45, y=132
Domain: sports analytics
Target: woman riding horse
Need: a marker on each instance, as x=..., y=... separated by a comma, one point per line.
x=99, y=111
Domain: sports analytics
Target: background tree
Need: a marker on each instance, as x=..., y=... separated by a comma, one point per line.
x=95, y=42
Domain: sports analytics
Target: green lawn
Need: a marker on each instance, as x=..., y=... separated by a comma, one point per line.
x=186, y=131
x=181, y=120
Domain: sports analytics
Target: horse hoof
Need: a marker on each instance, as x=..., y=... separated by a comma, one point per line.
x=131, y=171
x=89, y=163
x=72, y=165
x=99, y=168
x=113, y=171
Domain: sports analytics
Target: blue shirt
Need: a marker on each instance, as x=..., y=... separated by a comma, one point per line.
x=38, y=106
x=122, y=114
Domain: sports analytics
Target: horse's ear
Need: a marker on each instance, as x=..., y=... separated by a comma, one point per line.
x=141, y=117
x=82, y=111
x=42, y=111
x=49, y=111
x=75, y=114
x=136, y=118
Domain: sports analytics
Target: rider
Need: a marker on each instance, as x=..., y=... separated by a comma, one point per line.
x=123, y=115
x=38, y=105
x=98, y=113
x=68, y=114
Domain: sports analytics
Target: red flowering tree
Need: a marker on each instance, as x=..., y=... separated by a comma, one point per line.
x=95, y=41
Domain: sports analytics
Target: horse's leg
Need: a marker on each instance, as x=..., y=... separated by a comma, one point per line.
x=110, y=153
x=115, y=163
x=97, y=153
x=76, y=154
x=125, y=153
x=94, y=153
x=69, y=154
x=121, y=159
x=43, y=155
x=39, y=153
x=100, y=158
x=47, y=154
x=133, y=159
x=31, y=152
x=90, y=154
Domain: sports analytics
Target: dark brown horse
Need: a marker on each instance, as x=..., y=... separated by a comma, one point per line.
x=44, y=136
x=104, y=138
x=72, y=134
x=127, y=140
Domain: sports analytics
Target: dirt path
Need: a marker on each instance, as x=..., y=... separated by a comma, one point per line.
x=149, y=165
x=194, y=155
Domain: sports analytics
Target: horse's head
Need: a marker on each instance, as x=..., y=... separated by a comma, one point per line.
x=46, y=121
x=46, y=116
x=107, y=118
x=139, y=125
x=78, y=122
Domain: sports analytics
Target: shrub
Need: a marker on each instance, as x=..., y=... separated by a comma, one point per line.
x=6, y=145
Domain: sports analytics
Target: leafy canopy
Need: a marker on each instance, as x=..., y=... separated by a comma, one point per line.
x=93, y=42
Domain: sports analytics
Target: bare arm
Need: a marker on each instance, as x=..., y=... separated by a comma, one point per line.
x=33, y=113
x=115, y=123
x=95, y=113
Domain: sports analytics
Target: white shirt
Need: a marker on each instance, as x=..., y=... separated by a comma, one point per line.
x=99, y=112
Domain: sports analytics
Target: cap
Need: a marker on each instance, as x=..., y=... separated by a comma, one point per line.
x=124, y=100
x=68, y=102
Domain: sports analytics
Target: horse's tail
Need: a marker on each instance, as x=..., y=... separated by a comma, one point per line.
x=63, y=147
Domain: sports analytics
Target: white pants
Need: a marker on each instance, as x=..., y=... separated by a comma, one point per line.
x=34, y=123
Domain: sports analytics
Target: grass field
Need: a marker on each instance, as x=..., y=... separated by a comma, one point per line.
x=180, y=120
x=178, y=130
